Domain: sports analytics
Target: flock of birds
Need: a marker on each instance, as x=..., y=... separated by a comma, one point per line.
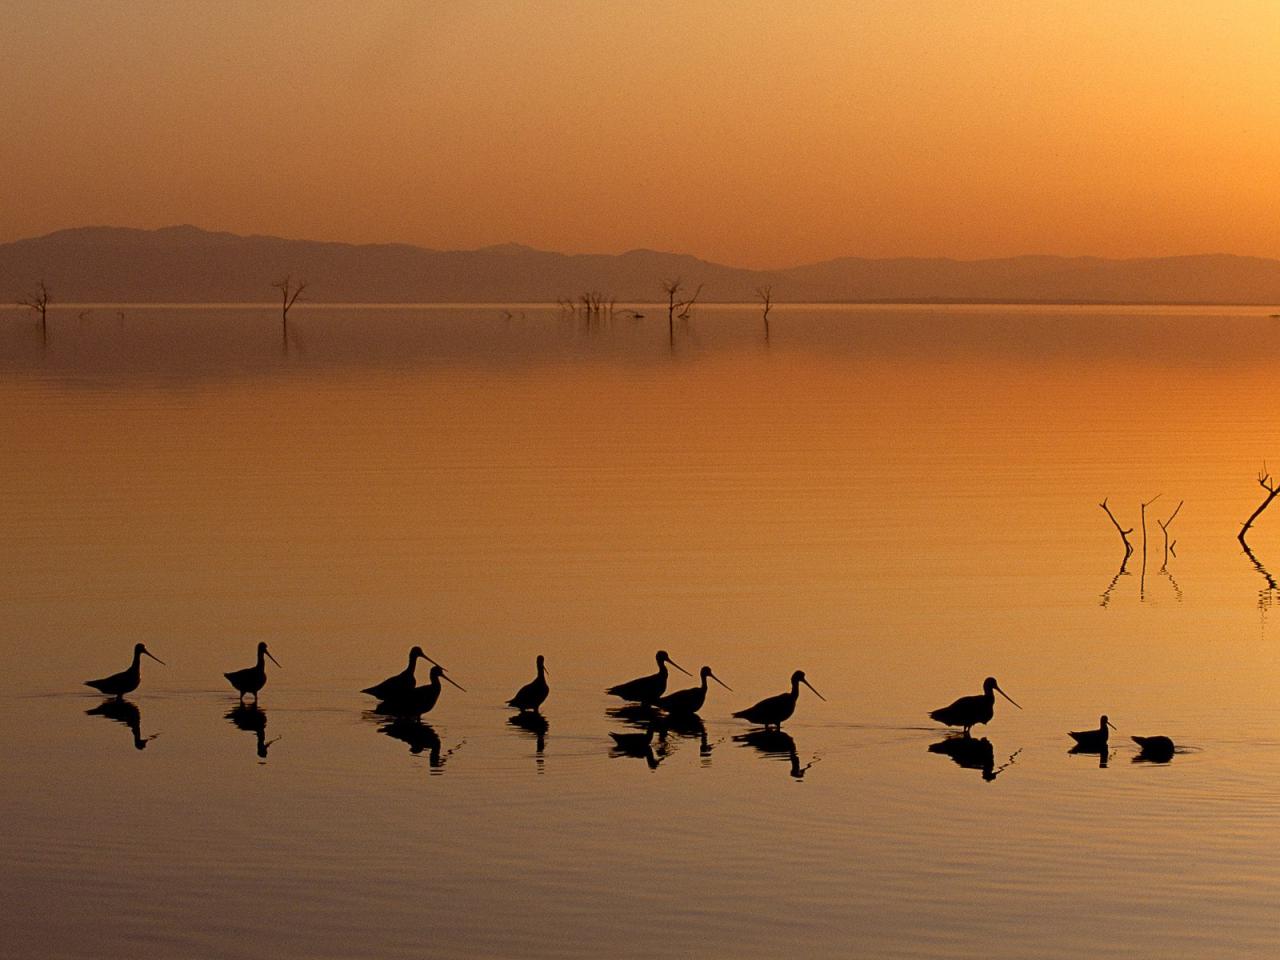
x=400, y=695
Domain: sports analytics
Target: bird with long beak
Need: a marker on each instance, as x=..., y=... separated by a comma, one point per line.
x=126, y=681
x=771, y=711
x=968, y=711
x=400, y=685
x=684, y=703
x=252, y=679
x=1092, y=741
x=648, y=689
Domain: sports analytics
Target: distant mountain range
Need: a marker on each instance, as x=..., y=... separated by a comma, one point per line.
x=185, y=264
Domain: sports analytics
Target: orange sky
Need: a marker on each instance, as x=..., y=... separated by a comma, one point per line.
x=751, y=133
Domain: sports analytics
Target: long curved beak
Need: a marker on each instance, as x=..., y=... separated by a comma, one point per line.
x=458, y=685
x=272, y=659
x=1010, y=699
x=678, y=667
x=719, y=681
x=810, y=686
x=154, y=657
x=1112, y=725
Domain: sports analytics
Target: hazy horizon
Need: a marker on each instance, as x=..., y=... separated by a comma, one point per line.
x=742, y=132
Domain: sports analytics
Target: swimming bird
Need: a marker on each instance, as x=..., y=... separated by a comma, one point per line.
x=685, y=702
x=126, y=681
x=1093, y=741
x=402, y=683
x=1154, y=749
x=420, y=700
x=648, y=689
x=771, y=711
x=967, y=711
x=252, y=679
x=531, y=695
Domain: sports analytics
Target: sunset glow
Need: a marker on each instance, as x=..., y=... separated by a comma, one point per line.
x=748, y=133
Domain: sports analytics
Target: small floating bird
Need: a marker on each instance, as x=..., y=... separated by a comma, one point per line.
x=686, y=702
x=967, y=711
x=771, y=711
x=252, y=679
x=421, y=700
x=648, y=689
x=1154, y=749
x=1093, y=741
x=126, y=681
x=402, y=683
x=531, y=695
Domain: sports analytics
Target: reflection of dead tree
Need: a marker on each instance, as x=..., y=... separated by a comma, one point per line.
x=39, y=302
x=288, y=297
x=1169, y=545
x=1142, y=579
x=1124, y=534
x=765, y=294
x=1269, y=485
x=686, y=308
x=1105, y=599
x=672, y=287
x=591, y=306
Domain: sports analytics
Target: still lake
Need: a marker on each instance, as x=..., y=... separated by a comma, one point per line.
x=899, y=501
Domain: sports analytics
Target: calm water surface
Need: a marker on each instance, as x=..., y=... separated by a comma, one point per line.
x=899, y=501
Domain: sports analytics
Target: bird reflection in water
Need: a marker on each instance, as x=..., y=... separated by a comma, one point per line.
x=638, y=715
x=688, y=727
x=535, y=725
x=973, y=754
x=639, y=745
x=125, y=712
x=251, y=719
x=776, y=745
x=420, y=737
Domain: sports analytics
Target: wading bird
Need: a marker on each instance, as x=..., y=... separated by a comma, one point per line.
x=531, y=695
x=402, y=683
x=648, y=689
x=771, y=711
x=1154, y=749
x=252, y=679
x=967, y=711
x=126, y=681
x=1093, y=741
x=685, y=702
x=420, y=700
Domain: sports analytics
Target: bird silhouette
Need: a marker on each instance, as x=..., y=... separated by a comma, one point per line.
x=126, y=681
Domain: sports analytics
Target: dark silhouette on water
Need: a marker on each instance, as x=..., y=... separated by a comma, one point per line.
x=968, y=711
x=771, y=711
x=639, y=745
x=1093, y=741
x=421, y=700
x=972, y=754
x=1266, y=596
x=420, y=737
x=535, y=725
x=690, y=701
x=533, y=693
x=252, y=679
x=1272, y=489
x=126, y=681
x=125, y=712
x=777, y=745
x=648, y=689
x=1154, y=749
x=402, y=683
x=687, y=726
x=250, y=718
